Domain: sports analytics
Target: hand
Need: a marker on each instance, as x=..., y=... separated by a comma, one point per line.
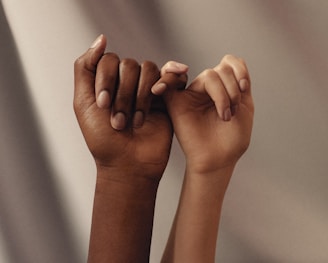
x=125, y=126
x=213, y=117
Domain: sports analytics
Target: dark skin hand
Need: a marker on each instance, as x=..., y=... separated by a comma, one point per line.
x=129, y=135
x=132, y=147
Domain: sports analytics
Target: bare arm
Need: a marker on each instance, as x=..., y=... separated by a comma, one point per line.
x=121, y=122
x=212, y=120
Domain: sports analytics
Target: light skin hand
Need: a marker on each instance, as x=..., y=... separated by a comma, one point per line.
x=213, y=117
x=212, y=120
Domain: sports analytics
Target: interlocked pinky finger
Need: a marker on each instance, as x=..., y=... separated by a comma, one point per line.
x=174, y=67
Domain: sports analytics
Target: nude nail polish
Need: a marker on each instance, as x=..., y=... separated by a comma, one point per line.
x=243, y=85
x=159, y=88
x=118, y=121
x=103, y=100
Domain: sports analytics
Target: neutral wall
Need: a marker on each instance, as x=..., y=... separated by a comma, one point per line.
x=275, y=209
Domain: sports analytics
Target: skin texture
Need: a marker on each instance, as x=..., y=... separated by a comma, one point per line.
x=121, y=121
x=213, y=117
x=133, y=146
x=124, y=109
x=212, y=120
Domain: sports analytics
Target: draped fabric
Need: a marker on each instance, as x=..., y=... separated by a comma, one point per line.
x=275, y=208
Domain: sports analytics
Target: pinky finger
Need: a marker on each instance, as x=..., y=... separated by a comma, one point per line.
x=172, y=74
x=169, y=81
x=174, y=67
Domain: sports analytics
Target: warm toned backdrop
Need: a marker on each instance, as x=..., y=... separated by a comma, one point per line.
x=276, y=206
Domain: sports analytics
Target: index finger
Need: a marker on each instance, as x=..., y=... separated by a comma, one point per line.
x=240, y=71
x=242, y=77
x=85, y=73
x=106, y=79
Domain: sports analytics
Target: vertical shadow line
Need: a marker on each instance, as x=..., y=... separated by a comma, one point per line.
x=32, y=221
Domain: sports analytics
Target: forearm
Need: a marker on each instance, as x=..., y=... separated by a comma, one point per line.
x=122, y=218
x=194, y=232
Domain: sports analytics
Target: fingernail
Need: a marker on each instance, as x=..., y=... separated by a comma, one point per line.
x=118, y=121
x=96, y=42
x=103, y=100
x=243, y=85
x=227, y=115
x=177, y=66
x=138, y=119
x=181, y=66
x=159, y=88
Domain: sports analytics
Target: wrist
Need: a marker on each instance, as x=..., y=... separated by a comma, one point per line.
x=214, y=181
x=128, y=174
x=205, y=162
x=126, y=184
x=123, y=213
x=208, y=170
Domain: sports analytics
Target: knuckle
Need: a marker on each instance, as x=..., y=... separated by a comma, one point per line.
x=207, y=73
x=170, y=63
x=242, y=66
x=109, y=60
x=111, y=55
x=242, y=61
x=129, y=62
x=149, y=66
x=224, y=68
x=167, y=65
x=79, y=62
x=228, y=58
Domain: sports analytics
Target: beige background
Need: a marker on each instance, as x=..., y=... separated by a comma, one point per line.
x=276, y=206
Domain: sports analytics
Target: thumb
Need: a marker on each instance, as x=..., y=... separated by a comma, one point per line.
x=85, y=73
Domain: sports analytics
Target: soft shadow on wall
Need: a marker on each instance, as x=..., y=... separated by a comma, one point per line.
x=32, y=222
x=303, y=38
x=133, y=28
